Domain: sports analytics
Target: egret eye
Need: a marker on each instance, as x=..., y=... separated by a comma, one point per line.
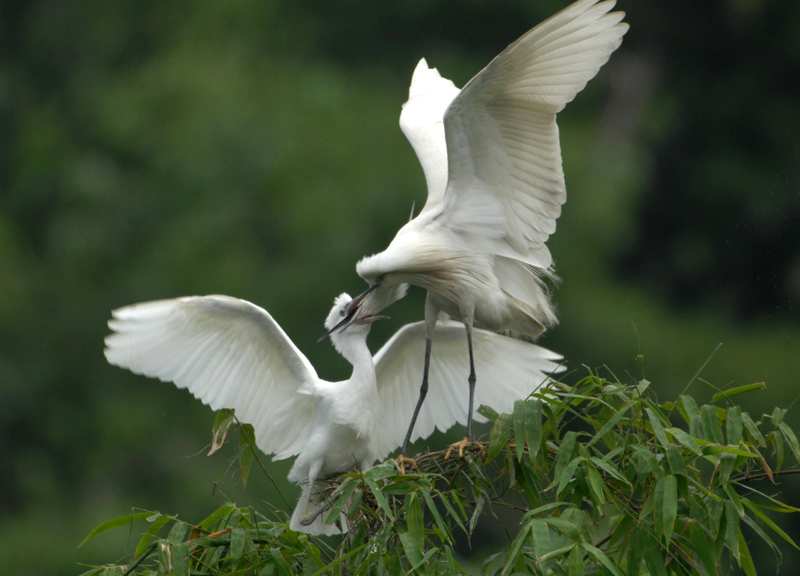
x=341, y=312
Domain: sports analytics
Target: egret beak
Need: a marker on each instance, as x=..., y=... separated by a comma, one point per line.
x=352, y=314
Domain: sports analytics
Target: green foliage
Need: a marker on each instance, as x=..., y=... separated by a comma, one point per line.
x=604, y=479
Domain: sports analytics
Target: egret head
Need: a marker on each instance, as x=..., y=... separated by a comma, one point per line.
x=347, y=313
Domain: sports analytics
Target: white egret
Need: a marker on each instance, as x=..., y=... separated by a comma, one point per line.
x=492, y=163
x=230, y=353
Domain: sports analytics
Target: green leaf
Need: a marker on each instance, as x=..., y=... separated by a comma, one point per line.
x=752, y=429
x=791, y=439
x=611, y=423
x=658, y=428
x=609, y=468
x=443, y=531
x=575, y=562
x=488, y=412
x=515, y=549
x=157, y=522
x=219, y=429
x=745, y=558
x=686, y=440
x=177, y=532
x=567, y=474
x=732, y=529
x=733, y=425
x=670, y=505
x=247, y=442
x=528, y=426
x=653, y=557
x=688, y=408
x=415, y=519
x=596, y=485
x=712, y=429
x=501, y=432
x=180, y=559
x=701, y=542
x=117, y=522
x=601, y=557
x=731, y=392
x=410, y=547
x=345, y=490
x=540, y=533
x=756, y=509
x=379, y=497
x=565, y=454
x=675, y=460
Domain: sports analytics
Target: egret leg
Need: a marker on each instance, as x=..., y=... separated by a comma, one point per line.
x=423, y=391
x=471, y=381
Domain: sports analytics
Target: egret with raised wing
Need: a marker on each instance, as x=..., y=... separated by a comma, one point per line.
x=492, y=162
x=230, y=353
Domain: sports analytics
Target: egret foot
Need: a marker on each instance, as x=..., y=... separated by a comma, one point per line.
x=461, y=445
x=403, y=463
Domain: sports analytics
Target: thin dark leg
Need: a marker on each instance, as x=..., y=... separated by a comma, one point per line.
x=423, y=391
x=471, y=381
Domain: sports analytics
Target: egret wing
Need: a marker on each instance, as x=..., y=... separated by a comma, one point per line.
x=508, y=369
x=422, y=121
x=505, y=181
x=228, y=353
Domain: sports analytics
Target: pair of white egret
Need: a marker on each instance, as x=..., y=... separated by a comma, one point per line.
x=492, y=162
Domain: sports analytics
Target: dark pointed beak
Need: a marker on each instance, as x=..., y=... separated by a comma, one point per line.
x=352, y=312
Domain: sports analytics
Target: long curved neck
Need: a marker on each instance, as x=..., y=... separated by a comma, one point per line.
x=354, y=349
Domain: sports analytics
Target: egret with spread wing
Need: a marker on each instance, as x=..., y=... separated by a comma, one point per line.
x=492, y=162
x=230, y=353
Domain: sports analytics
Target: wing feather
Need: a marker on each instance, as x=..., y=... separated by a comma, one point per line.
x=509, y=369
x=228, y=353
x=502, y=139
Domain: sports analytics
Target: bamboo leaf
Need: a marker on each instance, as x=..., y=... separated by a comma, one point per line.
x=575, y=562
x=702, y=545
x=346, y=490
x=413, y=553
x=528, y=426
x=733, y=425
x=653, y=558
x=670, y=505
x=611, y=423
x=688, y=408
x=117, y=522
x=600, y=556
x=564, y=458
x=745, y=558
x=415, y=519
x=686, y=440
x=752, y=429
x=712, y=429
x=658, y=427
x=540, y=533
x=516, y=548
x=157, y=522
x=596, y=485
x=567, y=474
x=180, y=559
x=736, y=391
x=501, y=432
x=791, y=439
x=756, y=509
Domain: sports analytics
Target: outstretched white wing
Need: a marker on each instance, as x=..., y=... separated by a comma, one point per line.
x=505, y=184
x=422, y=121
x=508, y=370
x=228, y=353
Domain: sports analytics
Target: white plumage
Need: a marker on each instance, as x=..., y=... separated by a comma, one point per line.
x=492, y=162
x=230, y=353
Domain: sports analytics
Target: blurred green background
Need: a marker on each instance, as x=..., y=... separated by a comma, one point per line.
x=159, y=149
